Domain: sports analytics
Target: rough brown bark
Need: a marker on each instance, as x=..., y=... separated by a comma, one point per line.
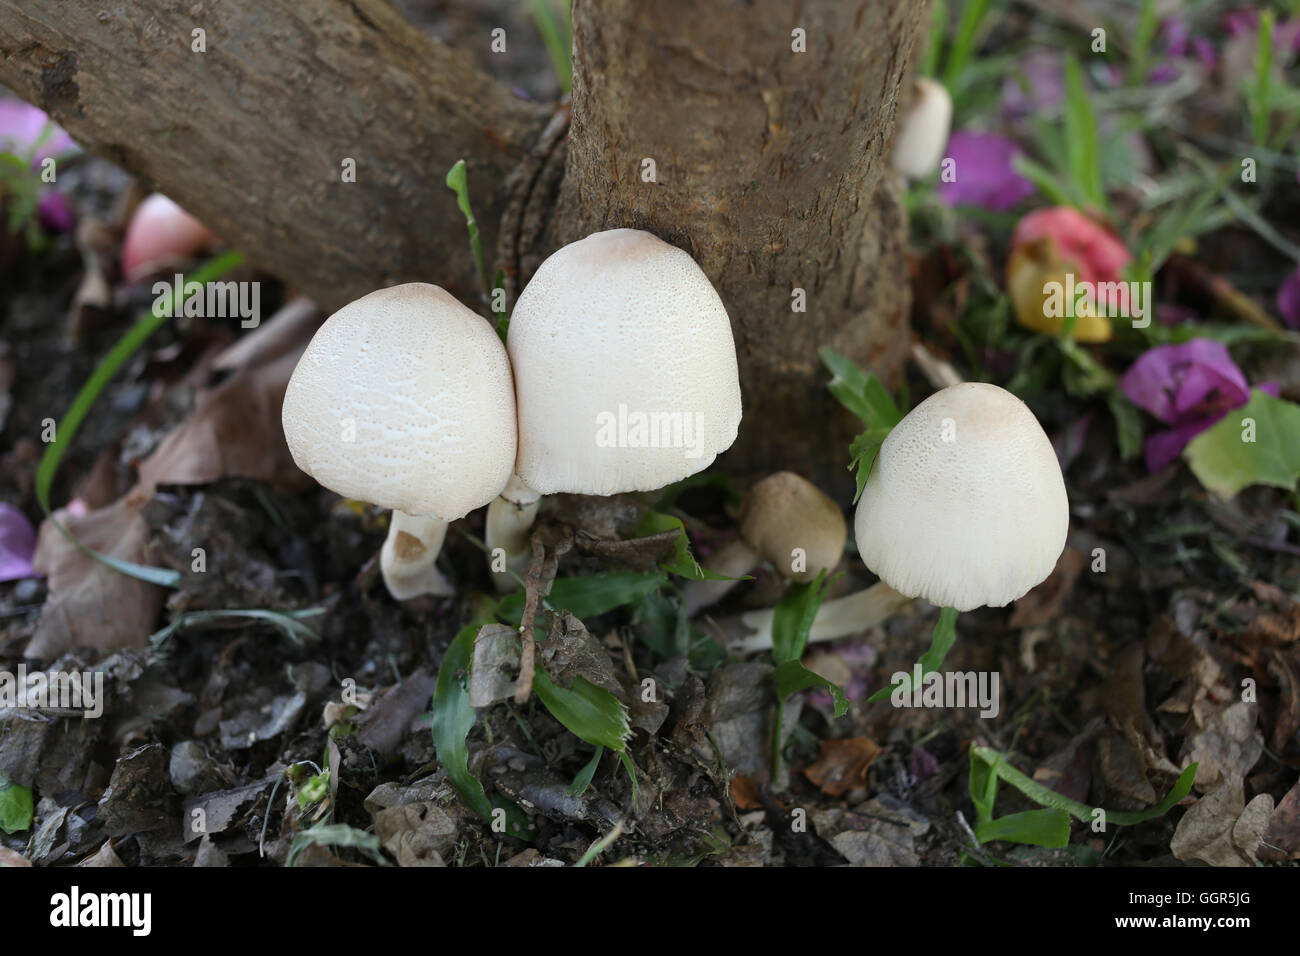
x=251, y=135
x=772, y=170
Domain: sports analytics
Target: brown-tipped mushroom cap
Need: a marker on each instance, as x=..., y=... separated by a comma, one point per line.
x=784, y=512
x=625, y=368
x=404, y=399
x=965, y=505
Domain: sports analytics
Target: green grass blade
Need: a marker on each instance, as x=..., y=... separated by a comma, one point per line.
x=793, y=617
x=458, y=182
x=941, y=642
x=964, y=41
x=1083, y=149
x=589, y=595
x=108, y=367
x=558, y=41
x=1046, y=827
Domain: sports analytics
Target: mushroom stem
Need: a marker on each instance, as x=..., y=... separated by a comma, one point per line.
x=510, y=518
x=734, y=560
x=752, y=631
x=408, y=555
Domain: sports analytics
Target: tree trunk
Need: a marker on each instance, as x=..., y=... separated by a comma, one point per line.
x=251, y=136
x=770, y=165
x=772, y=168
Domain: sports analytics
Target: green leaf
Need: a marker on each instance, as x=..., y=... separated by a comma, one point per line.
x=1047, y=827
x=683, y=562
x=16, y=806
x=1040, y=794
x=862, y=455
x=458, y=182
x=337, y=835
x=860, y=392
x=591, y=712
x=1083, y=150
x=1128, y=424
x=66, y=429
x=453, y=718
x=583, y=780
x=1257, y=444
x=793, y=617
x=941, y=642
x=964, y=41
x=792, y=677
x=588, y=596
x=1048, y=183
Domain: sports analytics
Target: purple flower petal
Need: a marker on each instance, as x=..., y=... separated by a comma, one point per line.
x=17, y=544
x=1162, y=448
x=1288, y=300
x=1044, y=85
x=55, y=212
x=1180, y=383
x=21, y=126
x=983, y=173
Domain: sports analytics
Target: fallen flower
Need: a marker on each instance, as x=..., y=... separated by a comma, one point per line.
x=1060, y=249
x=983, y=172
x=21, y=128
x=1189, y=386
x=17, y=544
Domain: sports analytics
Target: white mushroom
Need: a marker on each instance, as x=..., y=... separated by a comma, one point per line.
x=965, y=505
x=625, y=371
x=784, y=519
x=404, y=399
x=923, y=132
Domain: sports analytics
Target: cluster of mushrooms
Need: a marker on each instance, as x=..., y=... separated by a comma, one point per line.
x=408, y=400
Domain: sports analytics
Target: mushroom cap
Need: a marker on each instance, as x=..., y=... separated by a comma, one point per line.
x=965, y=505
x=404, y=399
x=625, y=368
x=785, y=511
x=923, y=132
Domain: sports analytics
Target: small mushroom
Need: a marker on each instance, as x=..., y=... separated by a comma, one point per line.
x=404, y=399
x=625, y=375
x=923, y=133
x=965, y=505
x=784, y=519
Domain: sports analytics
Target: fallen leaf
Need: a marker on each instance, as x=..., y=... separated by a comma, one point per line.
x=1226, y=747
x=233, y=432
x=744, y=793
x=1220, y=829
x=90, y=604
x=1282, y=836
x=842, y=764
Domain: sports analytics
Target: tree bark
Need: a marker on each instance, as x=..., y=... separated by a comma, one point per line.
x=771, y=166
x=772, y=169
x=251, y=135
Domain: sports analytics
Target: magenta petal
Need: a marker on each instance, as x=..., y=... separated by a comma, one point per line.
x=1162, y=448
x=17, y=544
x=1194, y=378
x=21, y=126
x=983, y=172
x=1288, y=300
x=55, y=213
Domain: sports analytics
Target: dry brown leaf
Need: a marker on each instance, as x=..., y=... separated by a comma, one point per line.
x=1226, y=747
x=1282, y=836
x=90, y=604
x=842, y=764
x=744, y=793
x=1221, y=829
x=233, y=432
